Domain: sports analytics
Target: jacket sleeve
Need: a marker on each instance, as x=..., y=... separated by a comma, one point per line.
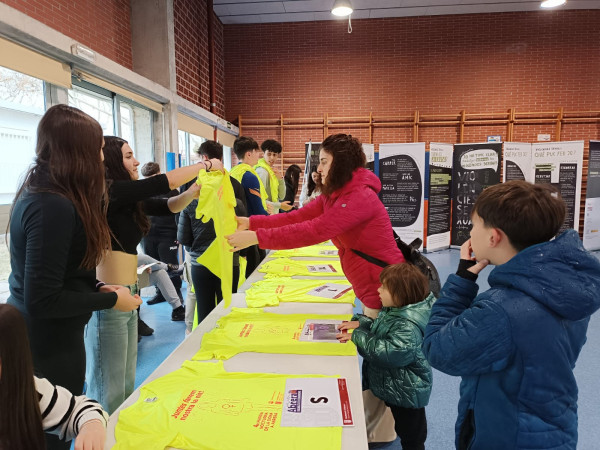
x=347, y=212
x=398, y=349
x=467, y=335
x=184, y=229
x=315, y=209
x=50, y=226
x=365, y=321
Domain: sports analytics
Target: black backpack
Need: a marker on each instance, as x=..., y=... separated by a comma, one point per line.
x=412, y=255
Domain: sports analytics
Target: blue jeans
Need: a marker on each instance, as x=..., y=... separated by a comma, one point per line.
x=111, y=349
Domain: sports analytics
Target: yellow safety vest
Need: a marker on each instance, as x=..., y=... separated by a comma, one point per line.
x=201, y=406
x=314, y=251
x=273, y=180
x=253, y=330
x=285, y=267
x=238, y=173
x=272, y=291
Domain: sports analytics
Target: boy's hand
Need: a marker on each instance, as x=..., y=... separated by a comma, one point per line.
x=286, y=206
x=466, y=252
x=348, y=325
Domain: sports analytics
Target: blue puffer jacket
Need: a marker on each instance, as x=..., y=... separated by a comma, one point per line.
x=515, y=346
x=394, y=366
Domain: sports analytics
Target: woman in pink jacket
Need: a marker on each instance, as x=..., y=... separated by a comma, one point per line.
x=348, y=212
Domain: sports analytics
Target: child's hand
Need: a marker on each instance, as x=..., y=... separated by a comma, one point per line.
x=466, y=252
x=348, y=325
x=344, y=337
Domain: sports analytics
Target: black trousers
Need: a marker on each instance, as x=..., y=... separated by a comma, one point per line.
x=208, y=289
x=411, y=426
x=164, y=250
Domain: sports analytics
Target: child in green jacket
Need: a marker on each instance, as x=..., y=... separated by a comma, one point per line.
x=394, y=366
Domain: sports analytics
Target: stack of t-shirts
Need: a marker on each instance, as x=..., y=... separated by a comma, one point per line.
x=253, y=330
x=270, y=292
x=313, y=251
x=201, y=406
x=285, y=267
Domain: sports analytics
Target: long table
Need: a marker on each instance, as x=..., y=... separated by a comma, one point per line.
x=347, y=367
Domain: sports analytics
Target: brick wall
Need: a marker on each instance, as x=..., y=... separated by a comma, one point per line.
x=191, y=54
x=104, y=26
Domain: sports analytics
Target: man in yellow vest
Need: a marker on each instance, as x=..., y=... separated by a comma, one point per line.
x=271, y=179
x=248, y=152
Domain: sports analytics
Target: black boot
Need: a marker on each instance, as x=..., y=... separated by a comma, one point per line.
x=178, y=314
x=143, y=328
x=158, y=298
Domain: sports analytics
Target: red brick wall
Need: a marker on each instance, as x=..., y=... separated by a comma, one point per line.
x=191, y=54
x=104, y=26
x=536, y=61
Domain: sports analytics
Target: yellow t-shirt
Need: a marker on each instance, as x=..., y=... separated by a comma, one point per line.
x=273, y=180
x=238, y=172
x=201, y=406
x=272, y=291
x=253, y=330
x=314, y=251
x=285, y=267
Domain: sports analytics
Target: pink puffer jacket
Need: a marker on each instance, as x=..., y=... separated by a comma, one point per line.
x=353, y=217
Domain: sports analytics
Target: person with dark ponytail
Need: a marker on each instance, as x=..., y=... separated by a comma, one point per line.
x=58, y=234
x=112, y=336
x=31, y=405
x=292, y=180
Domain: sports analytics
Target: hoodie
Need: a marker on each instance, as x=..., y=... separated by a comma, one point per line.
x=353, y=217
x=515, y=346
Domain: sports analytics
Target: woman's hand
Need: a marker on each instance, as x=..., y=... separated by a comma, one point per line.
x=92, y=436
x=242, y=239
x=125, y=301
x=466, y=252
x=215, y=164
x=243, y=223
x=194, y=191
x=286, y=206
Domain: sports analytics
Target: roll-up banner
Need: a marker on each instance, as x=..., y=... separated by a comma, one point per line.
x=369, y=150
x=561, y=164
x=591, y=219
x=402, y=170
x=475, y=167
x=439, y=199
x=517, y=162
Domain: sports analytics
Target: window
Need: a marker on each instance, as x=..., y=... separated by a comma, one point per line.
x=136, y=128
x=22, y=105
x=188, y=145
x=97, y=103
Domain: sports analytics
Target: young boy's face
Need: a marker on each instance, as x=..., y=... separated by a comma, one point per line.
x=480, y=237
x=385, y=296
x=271, y=157
x=252, y=157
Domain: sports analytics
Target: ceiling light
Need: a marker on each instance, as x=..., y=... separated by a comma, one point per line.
x=552, y=3
x=342, y=8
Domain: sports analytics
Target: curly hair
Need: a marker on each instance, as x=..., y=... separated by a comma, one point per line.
x=348, y=156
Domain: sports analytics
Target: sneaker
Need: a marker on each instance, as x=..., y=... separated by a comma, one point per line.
x=174, y=269
x=178, y=314
x=158, y=298
x=144, y=329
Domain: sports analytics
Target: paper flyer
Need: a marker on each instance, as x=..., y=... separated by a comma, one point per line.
x=439, y=202
x=316, y=402
x=330, y=290
x=317, y=330
x=517, y=162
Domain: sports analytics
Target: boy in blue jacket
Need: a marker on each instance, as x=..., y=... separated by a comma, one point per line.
x=516, y=344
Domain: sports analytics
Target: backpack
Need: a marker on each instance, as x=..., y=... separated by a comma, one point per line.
x=412, y=255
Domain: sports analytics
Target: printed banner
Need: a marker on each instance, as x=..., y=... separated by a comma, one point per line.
x=401, y=170
x=561, y=164
x=517, y=162
x=475, y=167
x=439, y=202
x=591, y=220
x=369, y=150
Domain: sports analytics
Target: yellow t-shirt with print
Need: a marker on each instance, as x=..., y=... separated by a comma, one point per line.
x=285, y=267
x=313, y=251
x=271, y=291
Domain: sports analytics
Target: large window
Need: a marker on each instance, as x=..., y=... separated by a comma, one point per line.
x=188, y=146
x=21, y=108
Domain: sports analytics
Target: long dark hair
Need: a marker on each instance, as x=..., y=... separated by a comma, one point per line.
x=348, y=156
x=311, y=183
x=115, y=170
x=20, y=417
x=292, y=177
x=68, y=163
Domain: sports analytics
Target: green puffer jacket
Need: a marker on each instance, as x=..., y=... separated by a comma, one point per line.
x=394, y=366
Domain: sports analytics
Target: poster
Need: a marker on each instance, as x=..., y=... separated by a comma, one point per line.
x=475, y=167
x=311, y=150
x=439, y=202
x=561, y=164
x=369, y=150
x=316, y=403
x=317, y=330
x=401, y=170
x=591, y=218
x=517, y=162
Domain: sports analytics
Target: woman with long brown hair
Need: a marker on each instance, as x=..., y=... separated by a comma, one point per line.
x=111, y=338
x=58, y=234
x=29, y=405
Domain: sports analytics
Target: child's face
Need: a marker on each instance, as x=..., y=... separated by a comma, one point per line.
x=271, y=157
x=480, y=237
x=385, y=296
